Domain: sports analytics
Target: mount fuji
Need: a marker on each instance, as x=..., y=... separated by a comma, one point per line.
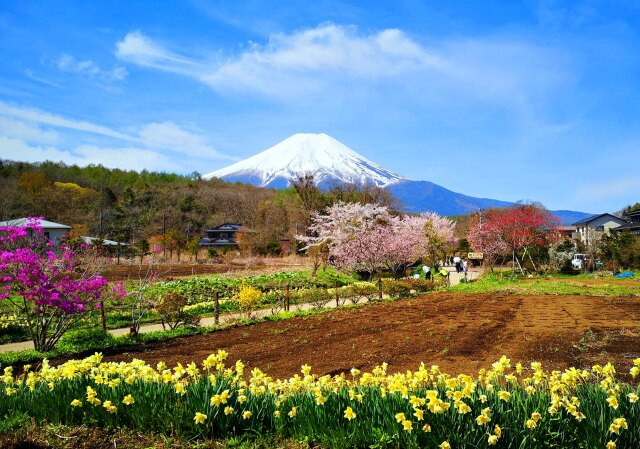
x=331, y=162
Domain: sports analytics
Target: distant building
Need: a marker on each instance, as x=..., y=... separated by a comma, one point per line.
x=567, y=231
x=223, y=236
x=102, y=242
x=633, y=223
x=589, y=230
x=53, y=231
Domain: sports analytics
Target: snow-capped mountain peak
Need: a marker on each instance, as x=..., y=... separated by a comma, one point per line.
x=328, y=159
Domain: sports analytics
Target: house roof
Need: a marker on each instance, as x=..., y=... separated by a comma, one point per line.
x=90, y=240
x=22, y=222
x=595, y=217
x=627, y=226
x=230, y=227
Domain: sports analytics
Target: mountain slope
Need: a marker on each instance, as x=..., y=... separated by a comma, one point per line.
x=329, y=160
x=420, y=196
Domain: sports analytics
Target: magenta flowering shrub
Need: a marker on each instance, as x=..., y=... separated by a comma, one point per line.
x=44, y=285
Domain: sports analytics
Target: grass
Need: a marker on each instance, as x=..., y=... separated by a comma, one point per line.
x=23, y=433
x=506, y=283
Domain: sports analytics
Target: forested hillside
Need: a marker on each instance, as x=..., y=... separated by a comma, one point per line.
x=128, y=206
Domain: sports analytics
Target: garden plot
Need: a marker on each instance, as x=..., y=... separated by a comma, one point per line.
x=459, y=332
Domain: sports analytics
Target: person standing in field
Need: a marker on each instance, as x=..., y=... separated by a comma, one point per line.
x=427, y=272
x=457, y=260
x=465, y=266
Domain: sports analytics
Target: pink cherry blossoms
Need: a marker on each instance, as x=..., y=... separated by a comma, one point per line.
x=369, y=238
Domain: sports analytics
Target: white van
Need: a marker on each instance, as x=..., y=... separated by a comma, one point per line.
x=579, y=261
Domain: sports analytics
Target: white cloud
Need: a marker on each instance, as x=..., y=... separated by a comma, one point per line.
x=139, y=49
x=45, y=118
x=89, y=68
x=33, y=135
x=330, y=57
x=168, y=135
x=129, y=158
x=29, y=132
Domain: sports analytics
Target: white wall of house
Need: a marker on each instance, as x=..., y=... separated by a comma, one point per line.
x=592, y=231
x=55, y=235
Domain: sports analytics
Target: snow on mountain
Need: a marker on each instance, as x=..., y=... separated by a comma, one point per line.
x=328, y=159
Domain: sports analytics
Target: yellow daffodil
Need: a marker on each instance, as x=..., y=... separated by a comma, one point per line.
x=349, y=413
x=200, y=418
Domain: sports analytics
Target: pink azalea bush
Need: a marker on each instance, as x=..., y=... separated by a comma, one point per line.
x=44, y=285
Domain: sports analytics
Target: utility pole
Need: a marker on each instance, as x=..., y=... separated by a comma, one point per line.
x=164, y=232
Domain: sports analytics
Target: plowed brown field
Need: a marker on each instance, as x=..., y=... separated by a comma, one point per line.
x=459, y=332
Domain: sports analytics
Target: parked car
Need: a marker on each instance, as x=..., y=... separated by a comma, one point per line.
x=579, y=260
x=582, y=261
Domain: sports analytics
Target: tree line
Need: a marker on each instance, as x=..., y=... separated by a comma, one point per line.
x=141, y=207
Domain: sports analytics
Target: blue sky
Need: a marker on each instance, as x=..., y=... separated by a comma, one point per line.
x=531, y=100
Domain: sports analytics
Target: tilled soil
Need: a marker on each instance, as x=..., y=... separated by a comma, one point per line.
x=459, y=332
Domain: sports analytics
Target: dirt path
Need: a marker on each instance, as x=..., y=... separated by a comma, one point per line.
x=459, y=332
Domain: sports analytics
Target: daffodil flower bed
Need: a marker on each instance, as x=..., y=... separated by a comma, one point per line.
x=505, y=406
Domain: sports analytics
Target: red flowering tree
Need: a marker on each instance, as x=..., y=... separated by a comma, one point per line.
x=514, y=230
x=43, y=285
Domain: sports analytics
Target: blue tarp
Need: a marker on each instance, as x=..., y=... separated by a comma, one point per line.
x=626, y=274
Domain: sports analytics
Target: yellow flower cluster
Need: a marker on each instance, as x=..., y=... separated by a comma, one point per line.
x=425, y=392
x=11, y=321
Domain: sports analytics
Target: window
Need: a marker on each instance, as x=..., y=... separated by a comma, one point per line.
x=600, y=228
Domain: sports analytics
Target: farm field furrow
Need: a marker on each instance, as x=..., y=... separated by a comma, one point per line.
x=459, y=332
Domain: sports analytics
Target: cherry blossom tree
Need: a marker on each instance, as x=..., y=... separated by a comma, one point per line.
x=44, y=285
x=368, y=238
x=439, y=235
x=514, y=230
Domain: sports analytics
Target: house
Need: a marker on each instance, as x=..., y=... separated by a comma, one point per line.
x=633, y=223
x=589, y=230
x=53, y=231
x=223, y=236
x=567, y=231
x=102, y=242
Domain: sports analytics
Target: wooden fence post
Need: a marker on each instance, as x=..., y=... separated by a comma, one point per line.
x=286, y=298
x=216, y=308
x=104, y=318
